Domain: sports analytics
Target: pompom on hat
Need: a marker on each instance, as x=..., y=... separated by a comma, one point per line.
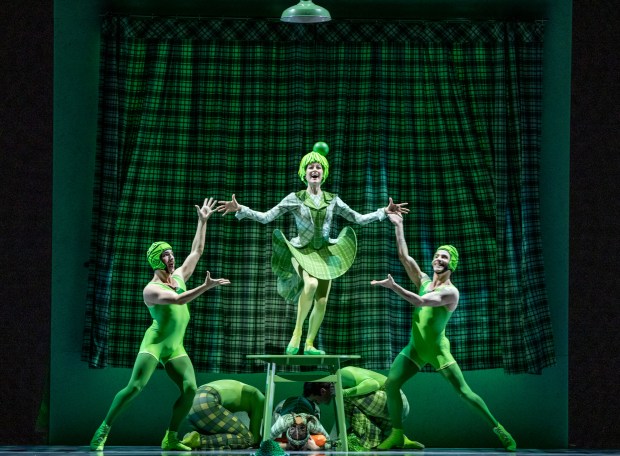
x=454, y=256
x=317, y=155
x=153, y=254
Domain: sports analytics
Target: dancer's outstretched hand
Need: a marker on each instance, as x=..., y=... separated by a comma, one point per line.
x=228, y=206
x=214, y=282
x=387, y=283
x=393, y=208
x=208, y=208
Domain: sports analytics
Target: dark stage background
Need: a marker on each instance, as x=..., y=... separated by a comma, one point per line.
x=26, y=97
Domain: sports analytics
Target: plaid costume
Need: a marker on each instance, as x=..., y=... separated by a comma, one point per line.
x=368, y=416
x=220, y=429
x=318, y=254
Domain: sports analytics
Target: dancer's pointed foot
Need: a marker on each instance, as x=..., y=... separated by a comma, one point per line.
x=101, y=434
x=507, y=441
x=412, y=444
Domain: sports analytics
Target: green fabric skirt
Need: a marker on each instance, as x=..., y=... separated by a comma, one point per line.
x=327, y=263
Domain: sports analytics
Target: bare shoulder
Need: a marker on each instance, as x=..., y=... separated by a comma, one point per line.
x=152, y=293
x=451, y=295
x=447, y=290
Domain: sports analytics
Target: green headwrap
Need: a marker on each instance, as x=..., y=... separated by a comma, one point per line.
x=318, y=155
x=454, y=256
x=153, y=254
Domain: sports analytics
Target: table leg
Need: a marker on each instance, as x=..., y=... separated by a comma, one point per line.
x=269, y=394
x=340, y=416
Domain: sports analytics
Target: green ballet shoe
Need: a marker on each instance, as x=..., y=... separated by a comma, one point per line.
x=313, y=351
x=507, y=441
x=171, y=442
x=101, y=434
x=291, y=350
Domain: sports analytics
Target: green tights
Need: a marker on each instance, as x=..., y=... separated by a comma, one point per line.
x=315, y=292
x=181, y=372
x=403, y=369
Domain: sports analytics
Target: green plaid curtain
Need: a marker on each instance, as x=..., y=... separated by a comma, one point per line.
x=443, y=115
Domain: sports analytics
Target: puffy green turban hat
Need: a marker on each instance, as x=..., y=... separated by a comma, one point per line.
x=454, y=256
x=153, y=254
x=318, y=155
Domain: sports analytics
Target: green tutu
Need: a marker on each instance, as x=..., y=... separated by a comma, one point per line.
x=326, y=263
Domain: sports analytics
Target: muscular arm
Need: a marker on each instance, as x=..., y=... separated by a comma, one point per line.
x=198, y=244
x=154, y=294
x=411, y=266
x=447, y=297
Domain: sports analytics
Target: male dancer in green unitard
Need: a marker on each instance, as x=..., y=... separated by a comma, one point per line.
x=166, y=296
x=434, y=305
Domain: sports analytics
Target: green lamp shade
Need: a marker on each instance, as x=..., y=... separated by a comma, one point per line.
x=305, y=12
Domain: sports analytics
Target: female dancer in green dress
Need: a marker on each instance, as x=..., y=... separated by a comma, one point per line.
x=306, y=264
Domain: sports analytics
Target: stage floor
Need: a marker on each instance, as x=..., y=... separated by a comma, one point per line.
x=152, y=451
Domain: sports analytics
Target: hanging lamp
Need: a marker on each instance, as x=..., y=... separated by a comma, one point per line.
x=305, y=12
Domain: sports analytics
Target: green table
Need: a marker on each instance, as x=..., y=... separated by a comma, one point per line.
x=331, y=365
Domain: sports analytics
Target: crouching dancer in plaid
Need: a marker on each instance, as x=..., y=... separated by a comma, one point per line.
x=366, y=409
x=213, y=416
x=166, y=297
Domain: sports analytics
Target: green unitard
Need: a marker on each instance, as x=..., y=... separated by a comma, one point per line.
x=162, y=343
x=428, y=343
x=164, y=338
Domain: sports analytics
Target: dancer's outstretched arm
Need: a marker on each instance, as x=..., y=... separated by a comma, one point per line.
x=411, y=266
x=445, y=297
x=198, y=244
